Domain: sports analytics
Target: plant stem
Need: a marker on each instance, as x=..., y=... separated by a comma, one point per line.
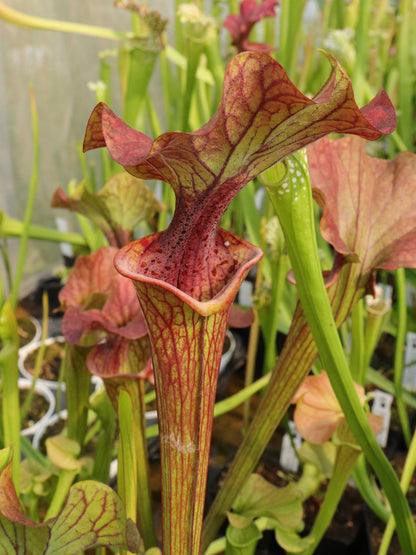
x=139, y=68
x=291, y=19
x=407, y=475
x=194, y=50
x=101, y=405
x=66, y=477
x=14, y=228
x=361, y=39
x=32, y=22
x=280, y=270
x=169, y=87
x=78, y=381
x=152, y=116
x=399, y=350
x=357, y=343
x=404, y=49
x=127, y=460
x=296, y=217
x=9, y=381
x=369, y=490
x=215, y=64
x=246, y=206
x=253, y=343
x=133, y=460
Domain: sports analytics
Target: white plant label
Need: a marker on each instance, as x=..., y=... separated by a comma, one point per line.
x=382, y=407
x=245, y=294
x=409, y=370
x=288, y=459
x=387, y=291
x=66, y=248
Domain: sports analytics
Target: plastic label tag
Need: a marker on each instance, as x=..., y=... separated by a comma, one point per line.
x=288, y=459
x=245, y=294
x=387, y=291
x=382, y=407
x=66, y=248
x=409, y=370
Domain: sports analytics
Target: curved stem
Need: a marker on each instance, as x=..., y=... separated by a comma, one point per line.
x=253, y=343
x=10, y=227
x=127, y=458
x=66, y=477
x=398, y=353
x=296, y=217
x=369, y=490
x=9, y=372
x=357, y=344
x=270, y=316
x=133, y=475
x=407, y=19
x=32, y=22
x=407, y=475
x=362, y=42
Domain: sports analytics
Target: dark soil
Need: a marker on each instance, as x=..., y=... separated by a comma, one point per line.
x=25, y=328
x=51, y=363
x=33, y=302
x=37, y=409
x=52, y=430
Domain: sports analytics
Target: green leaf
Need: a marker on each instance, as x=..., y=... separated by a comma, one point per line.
x=5, y=456
x=291, y=541
x=35, y=477
x=14, y=538
x=320, y=455
x=238, y=521
x=310, y=480
x=242, y=541
x=260, y=498
x=63, y=452
x=93, y=515
x=122, y=203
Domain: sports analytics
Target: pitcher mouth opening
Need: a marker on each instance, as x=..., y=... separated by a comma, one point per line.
x=128, y=261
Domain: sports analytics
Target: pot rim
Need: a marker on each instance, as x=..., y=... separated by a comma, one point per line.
x=43, y=390
x=29, y=348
